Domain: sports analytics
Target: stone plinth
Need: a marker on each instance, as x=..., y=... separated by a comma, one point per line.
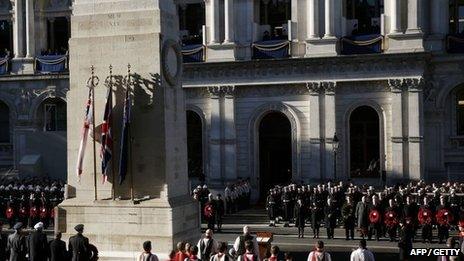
x=143, y=33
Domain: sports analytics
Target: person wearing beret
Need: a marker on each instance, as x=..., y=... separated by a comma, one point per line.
x=79, y=245
x=16, y=244
x=38, y=244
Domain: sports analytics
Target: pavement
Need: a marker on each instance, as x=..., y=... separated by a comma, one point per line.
x=287, y=238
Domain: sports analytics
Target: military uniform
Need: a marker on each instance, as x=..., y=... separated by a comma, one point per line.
x=330, y=212
x=17, y=247
x=375, y=227
x=315, y=219
x=348, y=220
x=270, y=207
x=300, y=218
x=79, y=248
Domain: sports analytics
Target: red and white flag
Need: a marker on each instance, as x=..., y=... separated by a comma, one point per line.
x=85, y=134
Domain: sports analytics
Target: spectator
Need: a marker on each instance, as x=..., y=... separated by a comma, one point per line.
x=207, y=245
x=146, y=254
x=249, y=255
x=274, y=254
x=187, y=249
x=38, y=244
x=58, y=248
x=222, y=253
x=79, y=245
x=180, y=254
x=319, y=253
x=193, y=254
x=362, y=253
x=239, y=244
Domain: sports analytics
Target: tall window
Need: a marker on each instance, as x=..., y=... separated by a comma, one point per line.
x=275, y=14
x=58, y=35
x=191, y=20
x=456, y=12
x=194, y=145
x=460, y=112
x=4, y=123
x=52, y=115
x=6, y=37
x=364, y=16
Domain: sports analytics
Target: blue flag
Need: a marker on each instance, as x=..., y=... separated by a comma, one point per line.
x=125, y=139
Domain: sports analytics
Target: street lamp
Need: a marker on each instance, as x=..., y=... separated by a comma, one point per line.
x=335, y=143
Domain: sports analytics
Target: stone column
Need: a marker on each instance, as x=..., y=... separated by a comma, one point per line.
x=395, y=19
x=230, y=155
x=229, y=21
x=214, y=18
x=312, y=19
x=397, y=137
x=330, y=128
x=329, y=19
x=52, y=33
x=414, y=16
x=18, y=29
x=415, y=126
x=30, y=28
x=215, y=159
x=314, y=89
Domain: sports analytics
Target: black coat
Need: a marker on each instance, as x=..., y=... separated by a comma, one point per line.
x=17, y=247
x=3, y=246
x=315, y=217
x=58, y=250
x=330, y=213
x=348, y=215
x=79, y=248
x=300, y=215
x=38, y=246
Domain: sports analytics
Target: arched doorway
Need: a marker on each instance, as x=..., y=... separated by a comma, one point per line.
x=194, y=145
x=4, y=123
x=275, y=151
x=364, y=143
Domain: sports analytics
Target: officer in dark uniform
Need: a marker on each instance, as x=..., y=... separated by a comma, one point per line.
x=375, y=227
x=348, y=218
x=392, y=230
x=270, y=207
x=442, y=225
x=58, y=249
x=315, y=219
x=330, y=212
x=17, y=244
x=410, y=210
x=219, y=212
x=79, y=245
x=426, y=226
x=286, y=207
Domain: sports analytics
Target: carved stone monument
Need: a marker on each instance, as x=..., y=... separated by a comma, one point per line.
x=143, y=33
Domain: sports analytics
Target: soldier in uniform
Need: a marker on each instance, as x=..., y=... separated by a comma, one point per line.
x=16, y=244
x=425, y=218
x=228, y=198
x=209, y=212
x=315, y=219
x=410, y=210
x=330, y=213
x=406, y=236
x=78, y=245
x=362, y=216
x=348, y=218
x=270, y=207
x=286, y=207
x=300, y=217
x=443, y=212
x=10, y=211
x=219, y=212
x=44, y=207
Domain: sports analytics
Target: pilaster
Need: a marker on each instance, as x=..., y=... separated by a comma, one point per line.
x=215, y=159
x=329, y=126
x=397, y=136
x=315, y=140
x=230, y=146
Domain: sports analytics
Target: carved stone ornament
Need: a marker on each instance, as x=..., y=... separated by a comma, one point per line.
x=396, y=85
x=414, y=84
x=329, y=87
x=171, y=62
x=314, y=88
x=214, y=91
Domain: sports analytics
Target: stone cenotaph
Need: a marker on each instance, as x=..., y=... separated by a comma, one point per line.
x=144, y=34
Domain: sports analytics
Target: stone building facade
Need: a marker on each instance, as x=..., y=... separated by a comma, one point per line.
x=397, y=111
x=34, y=35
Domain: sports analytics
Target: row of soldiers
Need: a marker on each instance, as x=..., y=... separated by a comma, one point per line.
x=30, y=200
x=402, y=208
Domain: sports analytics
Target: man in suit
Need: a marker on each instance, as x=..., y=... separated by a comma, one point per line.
x=79, y=245
x=38, y=244
x=17, y=244
x=58, y=249
x=330, y=213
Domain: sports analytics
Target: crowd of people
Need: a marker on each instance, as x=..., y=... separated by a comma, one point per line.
x=35, y=246
x=30, y=200
x=397, y=212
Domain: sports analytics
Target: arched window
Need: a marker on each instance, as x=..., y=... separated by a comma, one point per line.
x=363, y=16
x=58, y=35
x=460, y=112
x=273, y=17
x=6, y=37
x=51, y=115
x=456, y=13
x=4, y=123
x=191, y=21
x=194, y=144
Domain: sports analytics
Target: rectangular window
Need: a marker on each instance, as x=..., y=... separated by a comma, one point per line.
x=50, y=117
x=456, y=19
x=460, y=113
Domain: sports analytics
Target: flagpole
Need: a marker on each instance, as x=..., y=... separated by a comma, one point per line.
x=93, y=85
x=110, y=85
x=129, y=84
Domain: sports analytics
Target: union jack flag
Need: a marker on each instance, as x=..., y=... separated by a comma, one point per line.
x=85, y=134
x=106, y=152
